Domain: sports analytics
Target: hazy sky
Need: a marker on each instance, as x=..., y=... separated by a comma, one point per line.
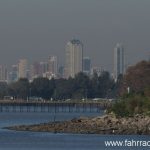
x=34, y=29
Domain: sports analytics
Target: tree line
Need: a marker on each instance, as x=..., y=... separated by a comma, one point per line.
x=82, y=86
x=136, y=78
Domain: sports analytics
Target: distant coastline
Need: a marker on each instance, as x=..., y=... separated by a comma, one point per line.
x=107, y=124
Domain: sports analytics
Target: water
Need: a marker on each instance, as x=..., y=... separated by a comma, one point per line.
x=50, y=109
x=20, y=140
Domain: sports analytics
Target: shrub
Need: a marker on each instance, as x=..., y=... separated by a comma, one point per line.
x=130, y=105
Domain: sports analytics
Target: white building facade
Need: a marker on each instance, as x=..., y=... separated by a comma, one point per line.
x=74, y=58
x=22, y=68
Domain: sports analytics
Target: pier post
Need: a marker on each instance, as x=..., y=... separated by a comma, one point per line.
x=1, y=108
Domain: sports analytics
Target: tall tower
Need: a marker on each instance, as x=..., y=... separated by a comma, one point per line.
x=53, y=65
x=3, y=73
x=13, y=75
x=74, y=58
x=118, y=60
x=43, y=67
x=35, y=70
x=22, y=68
x=86, y=65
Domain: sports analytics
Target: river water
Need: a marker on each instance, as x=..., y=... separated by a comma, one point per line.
x=20, y=140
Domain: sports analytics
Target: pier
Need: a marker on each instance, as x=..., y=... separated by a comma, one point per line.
x=54, y=107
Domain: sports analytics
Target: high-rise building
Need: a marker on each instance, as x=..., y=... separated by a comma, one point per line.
x=43, y=67
x=35, y=70
x=97, y=70
x=3, y=73
x=38, y=69
x=13, y=74
x=61, y=71
x=86, y=65
x=53, y=65
x=74, y=58
x=118, y=60
x=22, y=68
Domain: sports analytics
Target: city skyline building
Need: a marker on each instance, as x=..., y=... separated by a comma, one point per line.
x=43, y=67
x=73, y=58
x=97, y=70
x=3, y=73
x=86, y=65
x=35, y=70
x=53, y=65
x=22, y=68
x=13, y=74
x=118, y=60
x=61, y=71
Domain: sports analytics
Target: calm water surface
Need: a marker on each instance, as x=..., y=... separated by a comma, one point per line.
x=18, y=140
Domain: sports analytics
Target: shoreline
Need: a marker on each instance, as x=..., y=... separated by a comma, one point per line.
x=107, y=124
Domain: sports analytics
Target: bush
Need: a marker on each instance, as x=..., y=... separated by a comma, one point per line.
x=130, y=105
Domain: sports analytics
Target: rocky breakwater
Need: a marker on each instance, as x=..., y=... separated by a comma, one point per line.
x=107, y=124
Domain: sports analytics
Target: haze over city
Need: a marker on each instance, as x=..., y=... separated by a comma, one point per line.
x=74, y=74
x=35, y=29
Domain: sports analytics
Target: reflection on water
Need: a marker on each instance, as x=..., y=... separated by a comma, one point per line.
x=10, y=118
x=52, y=108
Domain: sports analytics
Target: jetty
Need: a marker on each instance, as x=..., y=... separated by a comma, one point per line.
x=57, y=107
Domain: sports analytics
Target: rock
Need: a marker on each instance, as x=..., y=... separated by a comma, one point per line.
x=107, y=124
x=75, y=120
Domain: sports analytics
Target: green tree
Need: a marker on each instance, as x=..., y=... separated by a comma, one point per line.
x=3, y=89
x=105, y=85
x=63, y=88
x=42, y=87
x=81, y=86
x=137, y=78
x=19, y=89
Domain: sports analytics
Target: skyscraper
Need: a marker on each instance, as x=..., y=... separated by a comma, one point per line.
x=43, y=67
x=22, y=68
x=38, y=69
x=74, y=58
x=53, y=65
x=13, y=74
x=61, y=71
x=3, y=73
x=118, y=60
x=86, y=65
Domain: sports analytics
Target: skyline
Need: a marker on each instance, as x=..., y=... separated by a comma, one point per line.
x=45, y=59
x=35, y=29
x=75, y=62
